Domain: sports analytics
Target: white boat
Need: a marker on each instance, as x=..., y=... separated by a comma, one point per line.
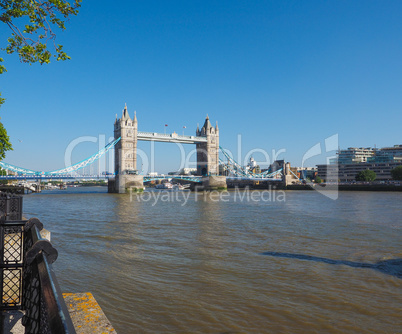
x=166, y=185
x=171, y=186
x=179, y=186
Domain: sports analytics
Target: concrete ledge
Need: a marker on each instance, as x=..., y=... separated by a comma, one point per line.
x=86, y=314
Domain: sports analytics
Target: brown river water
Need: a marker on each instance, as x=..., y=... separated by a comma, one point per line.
x=237, y=262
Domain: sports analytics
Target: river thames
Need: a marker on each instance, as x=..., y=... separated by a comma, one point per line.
x=284, y=262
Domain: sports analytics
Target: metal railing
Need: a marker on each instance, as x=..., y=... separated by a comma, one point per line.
x=28, y=280
x=11, y=263
x=10, y=207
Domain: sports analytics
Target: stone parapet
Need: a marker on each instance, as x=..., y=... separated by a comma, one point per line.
x=86, y=314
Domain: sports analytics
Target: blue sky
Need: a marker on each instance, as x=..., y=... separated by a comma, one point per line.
x=282, y=74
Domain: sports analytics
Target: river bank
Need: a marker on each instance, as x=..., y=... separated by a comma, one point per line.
x=348, y=187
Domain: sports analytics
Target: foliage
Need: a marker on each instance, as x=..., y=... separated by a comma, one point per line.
x=54, y=183
x=5, y=144
x=41, y=17
x=397, y=173
x=32, y=24
x=2, y=68
x=366, y=175
x=318, y=179
x=3, y=172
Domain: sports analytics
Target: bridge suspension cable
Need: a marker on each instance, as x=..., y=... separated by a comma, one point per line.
x=85, y=162
x=66, y=170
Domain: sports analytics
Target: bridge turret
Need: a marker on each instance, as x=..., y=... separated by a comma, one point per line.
x=126, y=115
x=207, y=124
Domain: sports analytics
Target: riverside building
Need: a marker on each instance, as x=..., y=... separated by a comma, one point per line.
x=348, y=163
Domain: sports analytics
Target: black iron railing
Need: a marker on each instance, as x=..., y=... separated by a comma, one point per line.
x=10, y=207
x=28, y=280
x=11, y=263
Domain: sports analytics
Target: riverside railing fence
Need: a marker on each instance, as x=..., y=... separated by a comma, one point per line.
x=28, y=282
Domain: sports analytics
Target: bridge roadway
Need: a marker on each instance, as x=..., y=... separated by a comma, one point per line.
x=170, y=138
x=147, y=178
x=198, y=179
x=52, y=177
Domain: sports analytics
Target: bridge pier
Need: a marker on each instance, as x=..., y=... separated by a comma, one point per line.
x=123, y=183
x=213, y=182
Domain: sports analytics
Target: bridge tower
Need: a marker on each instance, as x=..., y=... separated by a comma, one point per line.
x=125, y=156
x=208, y=153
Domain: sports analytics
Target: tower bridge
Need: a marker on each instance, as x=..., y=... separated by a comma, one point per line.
x=126, y=137
x=125, y=162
